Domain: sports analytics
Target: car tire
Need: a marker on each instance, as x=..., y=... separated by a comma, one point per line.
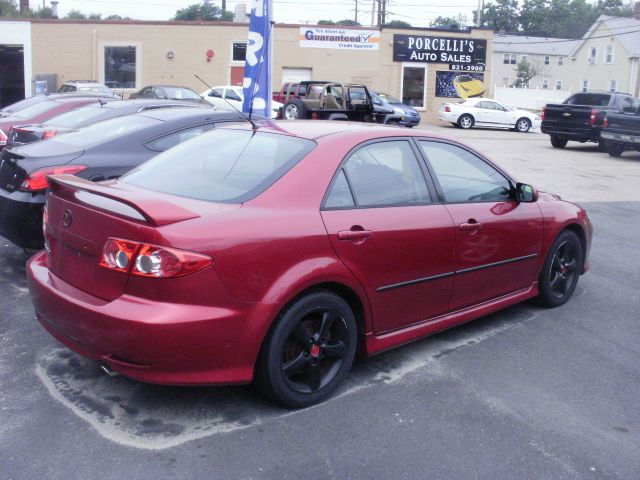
x=455, y=124
x=558, y=142
x=294, y=110
x=561, y=270
x=308, y=351
x=465, y=121
x=615, y=150
x=523, y=125
x=393, y=123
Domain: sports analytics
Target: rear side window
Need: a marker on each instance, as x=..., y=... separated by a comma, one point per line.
x=36, y=110
x=76, y=117
x=229, y=166
x=102, y=131
x=379, y=174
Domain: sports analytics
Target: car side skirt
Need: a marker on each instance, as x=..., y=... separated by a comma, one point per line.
x=378, y=343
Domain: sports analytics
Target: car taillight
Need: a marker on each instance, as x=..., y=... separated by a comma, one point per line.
x=3, y=138
x=153, y=261
x=37, y=180
x=49, y=134
x=447, y=108
x=594, y=116
x=544, y=110
x=45, y=221
x=605, y=122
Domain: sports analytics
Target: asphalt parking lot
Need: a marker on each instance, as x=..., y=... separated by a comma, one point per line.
x=527, y=393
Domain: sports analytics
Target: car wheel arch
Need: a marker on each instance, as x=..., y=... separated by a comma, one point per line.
x=572, y=226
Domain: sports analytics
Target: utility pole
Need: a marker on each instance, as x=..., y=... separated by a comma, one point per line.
x=224, y=6
x=479, y=16
x=384, y=11
x=356, y=18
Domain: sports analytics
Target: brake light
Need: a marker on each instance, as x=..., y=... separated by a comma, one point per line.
x=605, y=122
x=49, y=134
x=37, y=180
x=153, y=261
x=594, y=116
x=447, y=108
x=544, y=110
x=3, y=138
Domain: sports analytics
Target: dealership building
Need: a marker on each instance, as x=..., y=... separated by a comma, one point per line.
x=423, y=67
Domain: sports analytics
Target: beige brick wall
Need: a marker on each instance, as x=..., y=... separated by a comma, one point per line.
x=73, y=51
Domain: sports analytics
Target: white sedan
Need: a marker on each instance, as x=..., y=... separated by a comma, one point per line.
x=484, y=112
x=226, y=97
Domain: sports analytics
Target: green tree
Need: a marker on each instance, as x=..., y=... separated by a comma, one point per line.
x=534, y=17
x=8, y=9
x=348, y=23
x=75, y=15
x=449, y=22
x=205, y=11
x=502, y=17
x=398, y=23
x=525, y=71
x=45, y=12
x=95, y=16
x=116, y=17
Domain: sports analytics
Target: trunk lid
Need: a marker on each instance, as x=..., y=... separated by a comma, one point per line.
x=82, y=215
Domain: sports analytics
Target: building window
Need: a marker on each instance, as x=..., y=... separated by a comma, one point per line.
x=613, y=85
x=505, y=81
x=120, y=66
x=524, y=58
x=547, y=59
x=560, y=60
x=558, y=84
x=608, y=54
x=593, y=55
x=585, y=85
x=545, y=84
x=510, y=58
x=239, y=53
x=414, y=82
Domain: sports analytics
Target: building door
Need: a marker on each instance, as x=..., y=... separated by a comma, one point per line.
x=296, y=74
x=237, y=75
x=414, y=85
x=12, y=86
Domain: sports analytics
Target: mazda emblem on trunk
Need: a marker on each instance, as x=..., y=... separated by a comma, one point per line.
x=67, y=218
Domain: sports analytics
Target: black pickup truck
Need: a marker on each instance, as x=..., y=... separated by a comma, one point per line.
x=621, y=131
x=580, y=117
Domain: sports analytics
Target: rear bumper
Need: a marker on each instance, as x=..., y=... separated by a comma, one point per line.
x=151, y=341
x=630, y=140
x=21, y=218
x=592, y=135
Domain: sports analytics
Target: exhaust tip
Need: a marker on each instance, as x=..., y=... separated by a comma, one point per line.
x=108, y=370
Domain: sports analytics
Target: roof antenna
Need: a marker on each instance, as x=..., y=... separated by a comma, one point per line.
x=102, y=102
x=248, y=119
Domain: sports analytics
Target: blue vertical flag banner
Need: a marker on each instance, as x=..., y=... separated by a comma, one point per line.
x=257, y=68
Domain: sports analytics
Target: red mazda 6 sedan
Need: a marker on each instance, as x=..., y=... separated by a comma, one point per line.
x=273, y=253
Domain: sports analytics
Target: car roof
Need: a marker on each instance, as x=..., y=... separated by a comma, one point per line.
x=169, y=114
x=316, y=129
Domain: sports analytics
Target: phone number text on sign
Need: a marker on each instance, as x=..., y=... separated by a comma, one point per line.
x=466, y=68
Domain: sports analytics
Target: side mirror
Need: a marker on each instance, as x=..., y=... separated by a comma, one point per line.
x=526, y=193
x=629, y=109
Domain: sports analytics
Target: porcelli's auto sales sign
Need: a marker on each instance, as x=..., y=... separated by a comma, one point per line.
x=459, y=53
x=340, y=38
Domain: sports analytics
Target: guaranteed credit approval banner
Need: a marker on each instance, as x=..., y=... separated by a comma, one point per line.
x=340, y=38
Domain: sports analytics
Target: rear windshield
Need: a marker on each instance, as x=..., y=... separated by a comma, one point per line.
x=591, y=99
x=229, y=166
x=35, y=110
x=177, y=93
x=94, y=88
x=106, y=130
x=76, y=117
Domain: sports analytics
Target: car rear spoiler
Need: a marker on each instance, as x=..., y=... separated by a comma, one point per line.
x=153, y=208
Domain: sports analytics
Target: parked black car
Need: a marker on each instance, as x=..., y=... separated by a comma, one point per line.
x=168, y=92
x=27, y=102
x=98, y=152
x=82, y=117
x=411, y=117
x=621, y=131
x=581, y=116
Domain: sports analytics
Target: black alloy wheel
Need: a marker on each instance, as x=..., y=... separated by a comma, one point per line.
x=561, y=270
x=309, y=351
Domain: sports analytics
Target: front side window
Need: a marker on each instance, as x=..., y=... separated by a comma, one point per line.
x=239, y=52
x=380, y=174
x=230, y=94
x=223, y=165
x=120, y=66
x=464, y=177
